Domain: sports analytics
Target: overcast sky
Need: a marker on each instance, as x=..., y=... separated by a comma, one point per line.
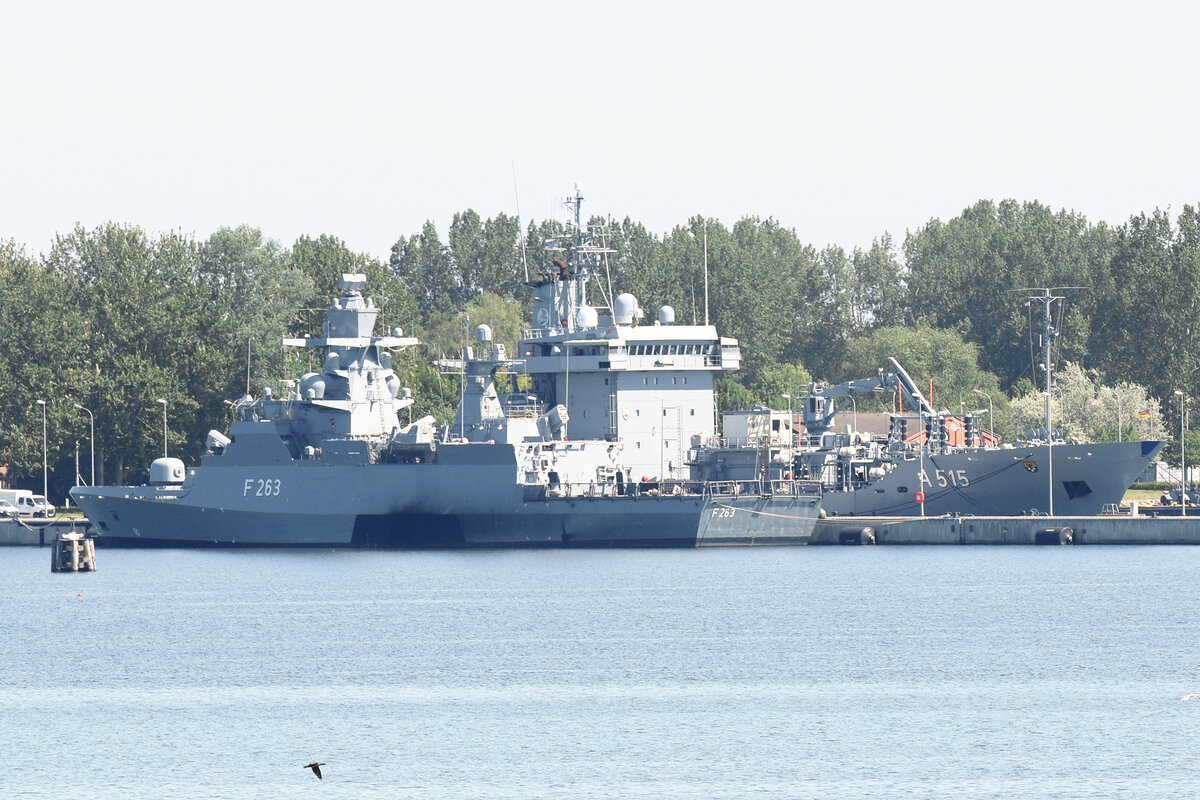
x=842, y=120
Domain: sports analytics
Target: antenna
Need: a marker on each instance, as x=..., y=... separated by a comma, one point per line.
x=1048, y=333
x=520, y=233
x=705, y=272
x=247, y=364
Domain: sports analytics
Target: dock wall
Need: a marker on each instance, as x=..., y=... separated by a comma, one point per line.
x=1010, y=530
x=37, y=533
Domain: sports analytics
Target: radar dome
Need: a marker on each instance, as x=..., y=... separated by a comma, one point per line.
x=312, y=386
x=666, y=315
x=483, y=333
x=586, y=317
x=624, y=309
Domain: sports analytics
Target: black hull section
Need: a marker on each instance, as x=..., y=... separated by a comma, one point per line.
x=675, y=528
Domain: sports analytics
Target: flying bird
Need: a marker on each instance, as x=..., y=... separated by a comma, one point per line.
x=1187, y=697
x=315, y=766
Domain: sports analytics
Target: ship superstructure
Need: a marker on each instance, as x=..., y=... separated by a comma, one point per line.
x=592, y=453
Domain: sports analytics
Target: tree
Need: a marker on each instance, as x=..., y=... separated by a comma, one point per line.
x=878, y=293
x=926, y=354
x=1151, y=327
x=779, y=379
x=424, y=268
x=253, y=284
x=973, y=274
x=732, y=396
x=42, y=358
x=1086, y=410
x=153, y=335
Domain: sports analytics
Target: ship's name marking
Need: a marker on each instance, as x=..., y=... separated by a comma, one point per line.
x=946, y=477
x=261, y=487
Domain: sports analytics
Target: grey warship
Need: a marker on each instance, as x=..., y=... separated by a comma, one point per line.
x=930, y=463
x=593, y=455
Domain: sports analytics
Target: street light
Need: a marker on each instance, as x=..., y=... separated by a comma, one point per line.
x=45, y=460
x=991, y=418
x=1118, y=414
x=1050, y=450
x=791, y=420
x=1182, y=460
x=164, y=405
x=92, y=419
x=921, y=475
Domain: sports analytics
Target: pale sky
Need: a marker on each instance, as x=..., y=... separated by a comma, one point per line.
x=363, y=120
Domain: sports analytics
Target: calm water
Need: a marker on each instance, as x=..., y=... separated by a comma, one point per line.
x=791, y=672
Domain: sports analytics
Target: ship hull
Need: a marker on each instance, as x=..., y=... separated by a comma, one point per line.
x=1001, y=482
x=427, y=506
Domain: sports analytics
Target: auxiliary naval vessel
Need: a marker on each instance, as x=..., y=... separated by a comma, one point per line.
x=593, y=453
x=929, y=463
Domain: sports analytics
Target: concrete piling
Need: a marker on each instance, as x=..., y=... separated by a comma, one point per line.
x=73, y=552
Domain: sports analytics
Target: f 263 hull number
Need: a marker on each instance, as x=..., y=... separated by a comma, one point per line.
x=261, y=487
x=947, y=477
x=723, y=513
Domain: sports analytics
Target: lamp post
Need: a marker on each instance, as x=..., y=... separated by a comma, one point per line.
x=1050, y=450
x=791, y=420
x=662, y=439
x=164, y=405
x=1118, y=414
x=92, y=420
x=921, y=476
x=991, y=419
x=1182, y=460
x=45, y=460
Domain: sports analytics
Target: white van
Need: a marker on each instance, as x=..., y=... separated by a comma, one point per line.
x=42, y=507
x=27, y=503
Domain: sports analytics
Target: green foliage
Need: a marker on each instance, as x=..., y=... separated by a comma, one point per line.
x=1085, y=409
x=925, y=353
x=253, y=281
x=774, y=381
x=973, y=274
x=732, y=396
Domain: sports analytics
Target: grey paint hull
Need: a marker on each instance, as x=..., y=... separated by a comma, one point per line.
x=429, y=505
x=1001, y=482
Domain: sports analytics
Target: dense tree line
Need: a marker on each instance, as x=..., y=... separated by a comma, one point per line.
x=113, y=319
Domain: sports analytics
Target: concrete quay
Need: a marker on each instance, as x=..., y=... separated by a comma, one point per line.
x=1008, y=530
x=24, y=531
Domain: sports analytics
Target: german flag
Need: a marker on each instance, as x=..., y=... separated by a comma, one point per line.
x=1143, y=415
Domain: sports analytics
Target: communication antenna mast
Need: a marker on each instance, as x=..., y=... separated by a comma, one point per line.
x=1047, y=299
x=705, y=272
x=520, y=233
